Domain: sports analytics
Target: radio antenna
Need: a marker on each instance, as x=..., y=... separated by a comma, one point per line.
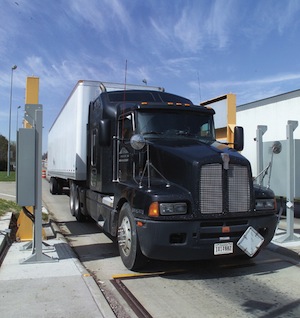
x=199, y=86
x=124, y=100
x=125, y=80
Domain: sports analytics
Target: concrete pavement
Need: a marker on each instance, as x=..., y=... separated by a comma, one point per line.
x=61, y=286
x=290, y=247
x=57, y=287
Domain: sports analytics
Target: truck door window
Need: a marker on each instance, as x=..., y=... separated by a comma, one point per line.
x=205, y=130
x=125, y=128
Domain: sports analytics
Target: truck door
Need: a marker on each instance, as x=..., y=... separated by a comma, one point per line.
x=93, y=157
x=125, y=131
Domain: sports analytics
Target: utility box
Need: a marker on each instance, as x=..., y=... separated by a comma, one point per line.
x=279, y=168
x=26, y=167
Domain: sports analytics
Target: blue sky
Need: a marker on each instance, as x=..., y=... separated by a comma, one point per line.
x=200, y=49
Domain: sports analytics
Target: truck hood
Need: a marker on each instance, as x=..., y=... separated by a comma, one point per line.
x=179, y=161
x=194, y=151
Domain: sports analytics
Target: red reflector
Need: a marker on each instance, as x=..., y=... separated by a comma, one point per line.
x=225, y=229
x=139, y=223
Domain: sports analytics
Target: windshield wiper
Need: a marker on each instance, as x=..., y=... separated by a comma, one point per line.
x=152, y=133
x=184, y=133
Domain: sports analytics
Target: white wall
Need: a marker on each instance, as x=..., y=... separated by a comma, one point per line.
x=274, y=115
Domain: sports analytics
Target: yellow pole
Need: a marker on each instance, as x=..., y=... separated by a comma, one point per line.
x=31, y=94
x=225, y=133
x=231, y=117
x=25, y=226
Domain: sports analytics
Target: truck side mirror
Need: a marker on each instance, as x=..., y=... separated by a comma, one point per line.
x=137, y=142
x=238, y=138
x=104, y=132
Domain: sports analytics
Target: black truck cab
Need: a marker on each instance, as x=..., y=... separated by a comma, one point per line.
x=159, y=181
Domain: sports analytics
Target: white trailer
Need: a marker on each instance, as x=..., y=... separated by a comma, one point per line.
x=67, y=137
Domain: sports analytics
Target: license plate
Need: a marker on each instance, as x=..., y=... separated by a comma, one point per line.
x=223, y=248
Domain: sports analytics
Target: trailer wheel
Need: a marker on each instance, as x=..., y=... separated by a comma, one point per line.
x=53, y=186
x=128, y=241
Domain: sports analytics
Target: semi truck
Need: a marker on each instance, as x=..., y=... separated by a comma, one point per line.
x=146, y=166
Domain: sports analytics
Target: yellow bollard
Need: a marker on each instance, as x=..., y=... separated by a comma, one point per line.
x=25, y=227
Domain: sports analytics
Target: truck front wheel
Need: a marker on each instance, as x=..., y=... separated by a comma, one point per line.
x=75, y=202
x=128, y=241
x=71, y=198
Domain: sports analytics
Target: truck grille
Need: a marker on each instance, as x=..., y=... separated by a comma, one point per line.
x=224, y=191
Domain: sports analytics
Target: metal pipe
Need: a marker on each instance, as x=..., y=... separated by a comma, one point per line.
x=9, y=124
x=261, y=129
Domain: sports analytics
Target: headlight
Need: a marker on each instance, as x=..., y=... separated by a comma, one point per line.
x=264, y=204
x=173, y=208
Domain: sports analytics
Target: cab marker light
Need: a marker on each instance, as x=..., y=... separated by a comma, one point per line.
x=225, y=229
x=139, y=224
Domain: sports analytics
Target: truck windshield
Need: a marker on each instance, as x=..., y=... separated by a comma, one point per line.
x=175, y=124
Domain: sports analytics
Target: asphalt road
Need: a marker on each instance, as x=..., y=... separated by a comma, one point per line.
x=266, y=286
x=8, y=190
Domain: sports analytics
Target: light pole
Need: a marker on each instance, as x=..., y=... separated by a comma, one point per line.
x=9, y=128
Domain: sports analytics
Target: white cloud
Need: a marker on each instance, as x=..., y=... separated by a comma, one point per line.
x=188, y=30
x=219, y=22
x=160, y=29
x=248, y=90
x=271, y=16
x=166, y=42
x=102, y=16
x=280, y=78
x=90, y=14
x=281, y=15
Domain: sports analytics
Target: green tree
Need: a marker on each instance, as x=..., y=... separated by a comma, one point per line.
x=3, y=153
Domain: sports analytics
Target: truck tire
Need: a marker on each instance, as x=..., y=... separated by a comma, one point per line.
x=53, y=186
x=75, y=207
x=71, y=197
x=128, y=241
